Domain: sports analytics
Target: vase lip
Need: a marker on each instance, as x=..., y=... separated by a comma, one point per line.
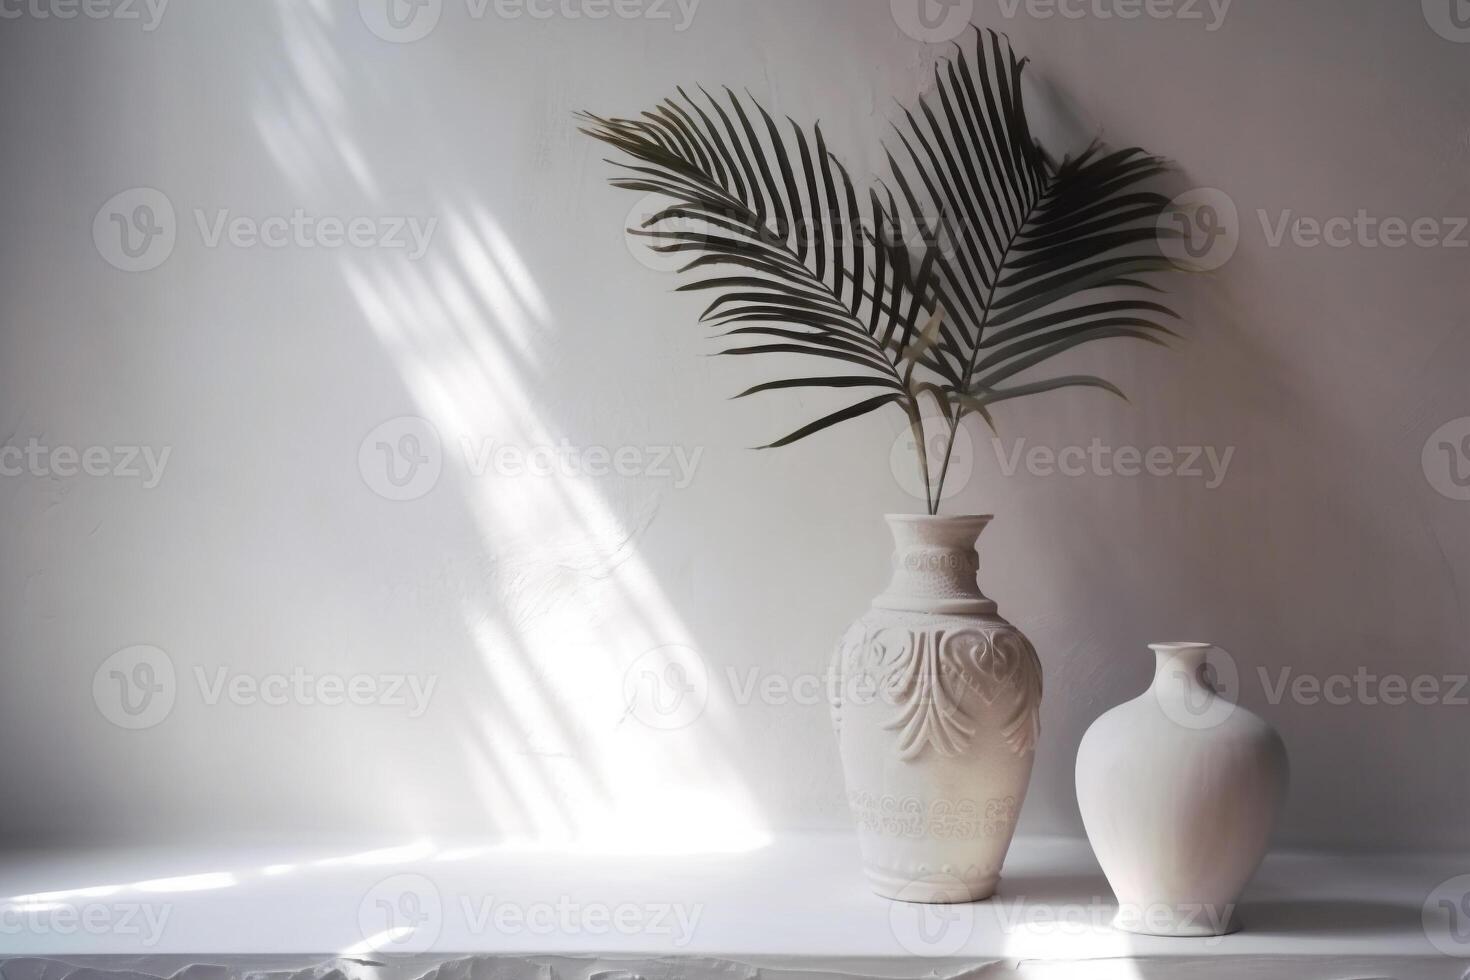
x=1180, y=646
x=939, y=518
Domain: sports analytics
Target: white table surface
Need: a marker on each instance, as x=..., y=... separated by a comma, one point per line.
x=796, y=905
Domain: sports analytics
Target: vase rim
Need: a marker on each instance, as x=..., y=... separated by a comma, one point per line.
x=1180, y=646
x=938, y=518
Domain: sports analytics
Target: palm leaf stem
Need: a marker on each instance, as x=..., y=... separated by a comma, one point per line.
x=962, y=408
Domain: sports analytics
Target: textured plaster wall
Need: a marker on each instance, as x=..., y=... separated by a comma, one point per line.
x=502, y=618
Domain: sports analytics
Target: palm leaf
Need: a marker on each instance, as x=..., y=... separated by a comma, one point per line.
x=1038, y=242
x=773, y=203
x=1046, y=257
x=851, y=412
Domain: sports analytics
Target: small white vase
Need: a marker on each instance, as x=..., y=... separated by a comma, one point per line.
x=936, y=701
x=1179, y=790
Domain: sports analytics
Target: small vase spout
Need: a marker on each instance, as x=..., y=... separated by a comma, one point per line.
x=1179, y=668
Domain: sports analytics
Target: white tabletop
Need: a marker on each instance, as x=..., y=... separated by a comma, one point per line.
x=795, y=904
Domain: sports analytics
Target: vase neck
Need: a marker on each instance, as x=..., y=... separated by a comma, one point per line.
x=1180, y=668
x=934, y=565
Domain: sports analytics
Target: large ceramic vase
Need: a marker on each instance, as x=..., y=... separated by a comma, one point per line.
x=1179, y=789
x=936, y=702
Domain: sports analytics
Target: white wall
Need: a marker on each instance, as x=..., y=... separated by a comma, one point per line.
x=263, y=549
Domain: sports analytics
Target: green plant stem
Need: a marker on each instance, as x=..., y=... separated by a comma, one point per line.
x=954, y=428
x=916, y=426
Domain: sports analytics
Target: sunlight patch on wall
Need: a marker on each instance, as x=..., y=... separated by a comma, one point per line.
x=305, y=121
x=574, y=604
x=563, y=602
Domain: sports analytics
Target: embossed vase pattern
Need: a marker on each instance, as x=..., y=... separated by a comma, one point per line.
x=936, y=700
